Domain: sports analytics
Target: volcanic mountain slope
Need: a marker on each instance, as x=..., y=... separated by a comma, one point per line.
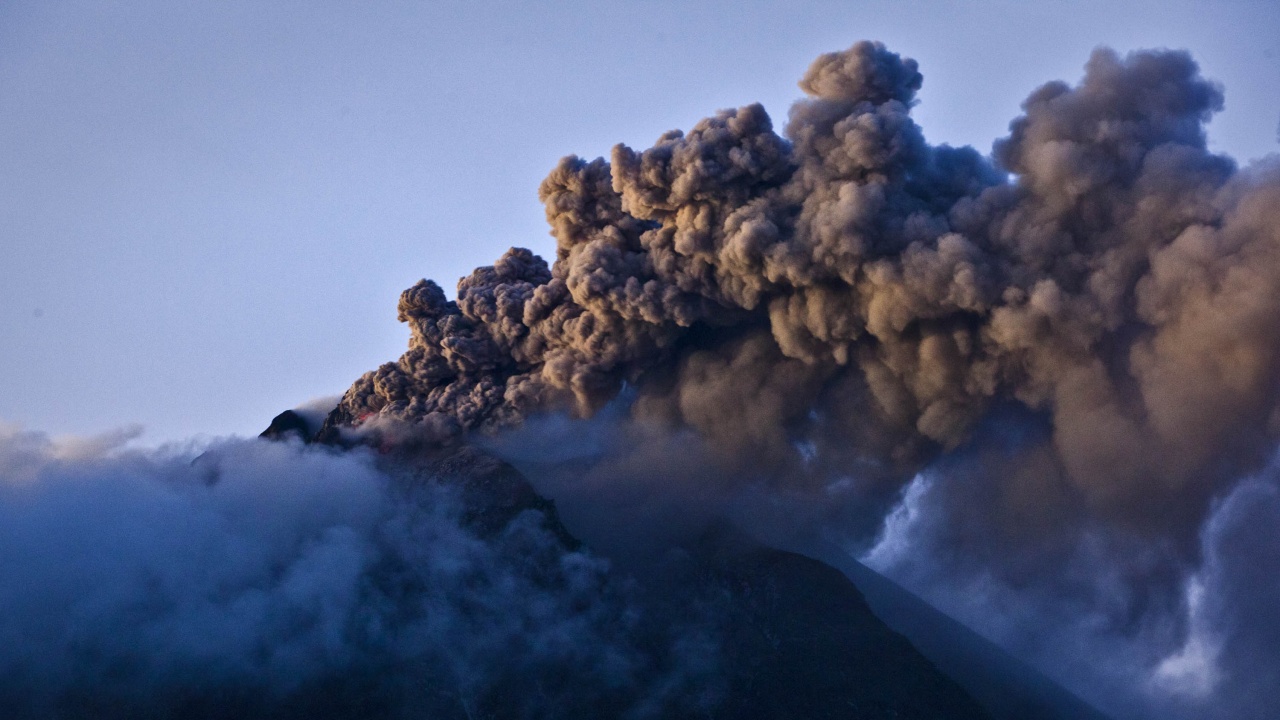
x=1006, y=687
x=780, y=635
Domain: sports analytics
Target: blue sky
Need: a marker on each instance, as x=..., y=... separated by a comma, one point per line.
x=207, y=212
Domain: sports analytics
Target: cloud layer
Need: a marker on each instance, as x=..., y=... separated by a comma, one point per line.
x=260, y=579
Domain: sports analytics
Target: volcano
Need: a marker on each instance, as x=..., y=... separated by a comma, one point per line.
x=1067, y=349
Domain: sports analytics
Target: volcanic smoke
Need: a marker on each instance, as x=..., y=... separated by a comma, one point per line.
x=848, y=293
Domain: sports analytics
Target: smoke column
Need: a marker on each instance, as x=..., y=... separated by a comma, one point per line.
x=1051, y=368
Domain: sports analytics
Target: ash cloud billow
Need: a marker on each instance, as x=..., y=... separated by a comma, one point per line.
x=1073, y=343
x=847, y=279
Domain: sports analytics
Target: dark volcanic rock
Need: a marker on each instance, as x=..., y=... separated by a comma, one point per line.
x=802, y=643
x=286, y=424
x=1007, y=688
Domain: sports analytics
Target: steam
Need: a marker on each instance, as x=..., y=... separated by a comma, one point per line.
x=1106, y=614
x=262, y=579
x=1064, y=354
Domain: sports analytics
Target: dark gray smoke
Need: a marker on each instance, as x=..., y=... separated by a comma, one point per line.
x=848, y=280
x=1075, y=340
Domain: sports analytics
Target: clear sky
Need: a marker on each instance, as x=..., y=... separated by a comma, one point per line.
x=208, y=211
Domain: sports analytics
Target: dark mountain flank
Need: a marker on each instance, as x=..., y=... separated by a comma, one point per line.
x=772, y=633
x=775, y=634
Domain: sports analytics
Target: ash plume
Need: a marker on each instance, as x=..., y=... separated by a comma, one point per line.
x=1062, y=357
x=847, y=280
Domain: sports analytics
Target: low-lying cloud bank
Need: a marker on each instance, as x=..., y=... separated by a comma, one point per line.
x=256, y=578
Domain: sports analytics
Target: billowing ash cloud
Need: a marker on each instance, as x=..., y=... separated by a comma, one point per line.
x=260, y=579
x=849, y=289
x=1076, y=340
